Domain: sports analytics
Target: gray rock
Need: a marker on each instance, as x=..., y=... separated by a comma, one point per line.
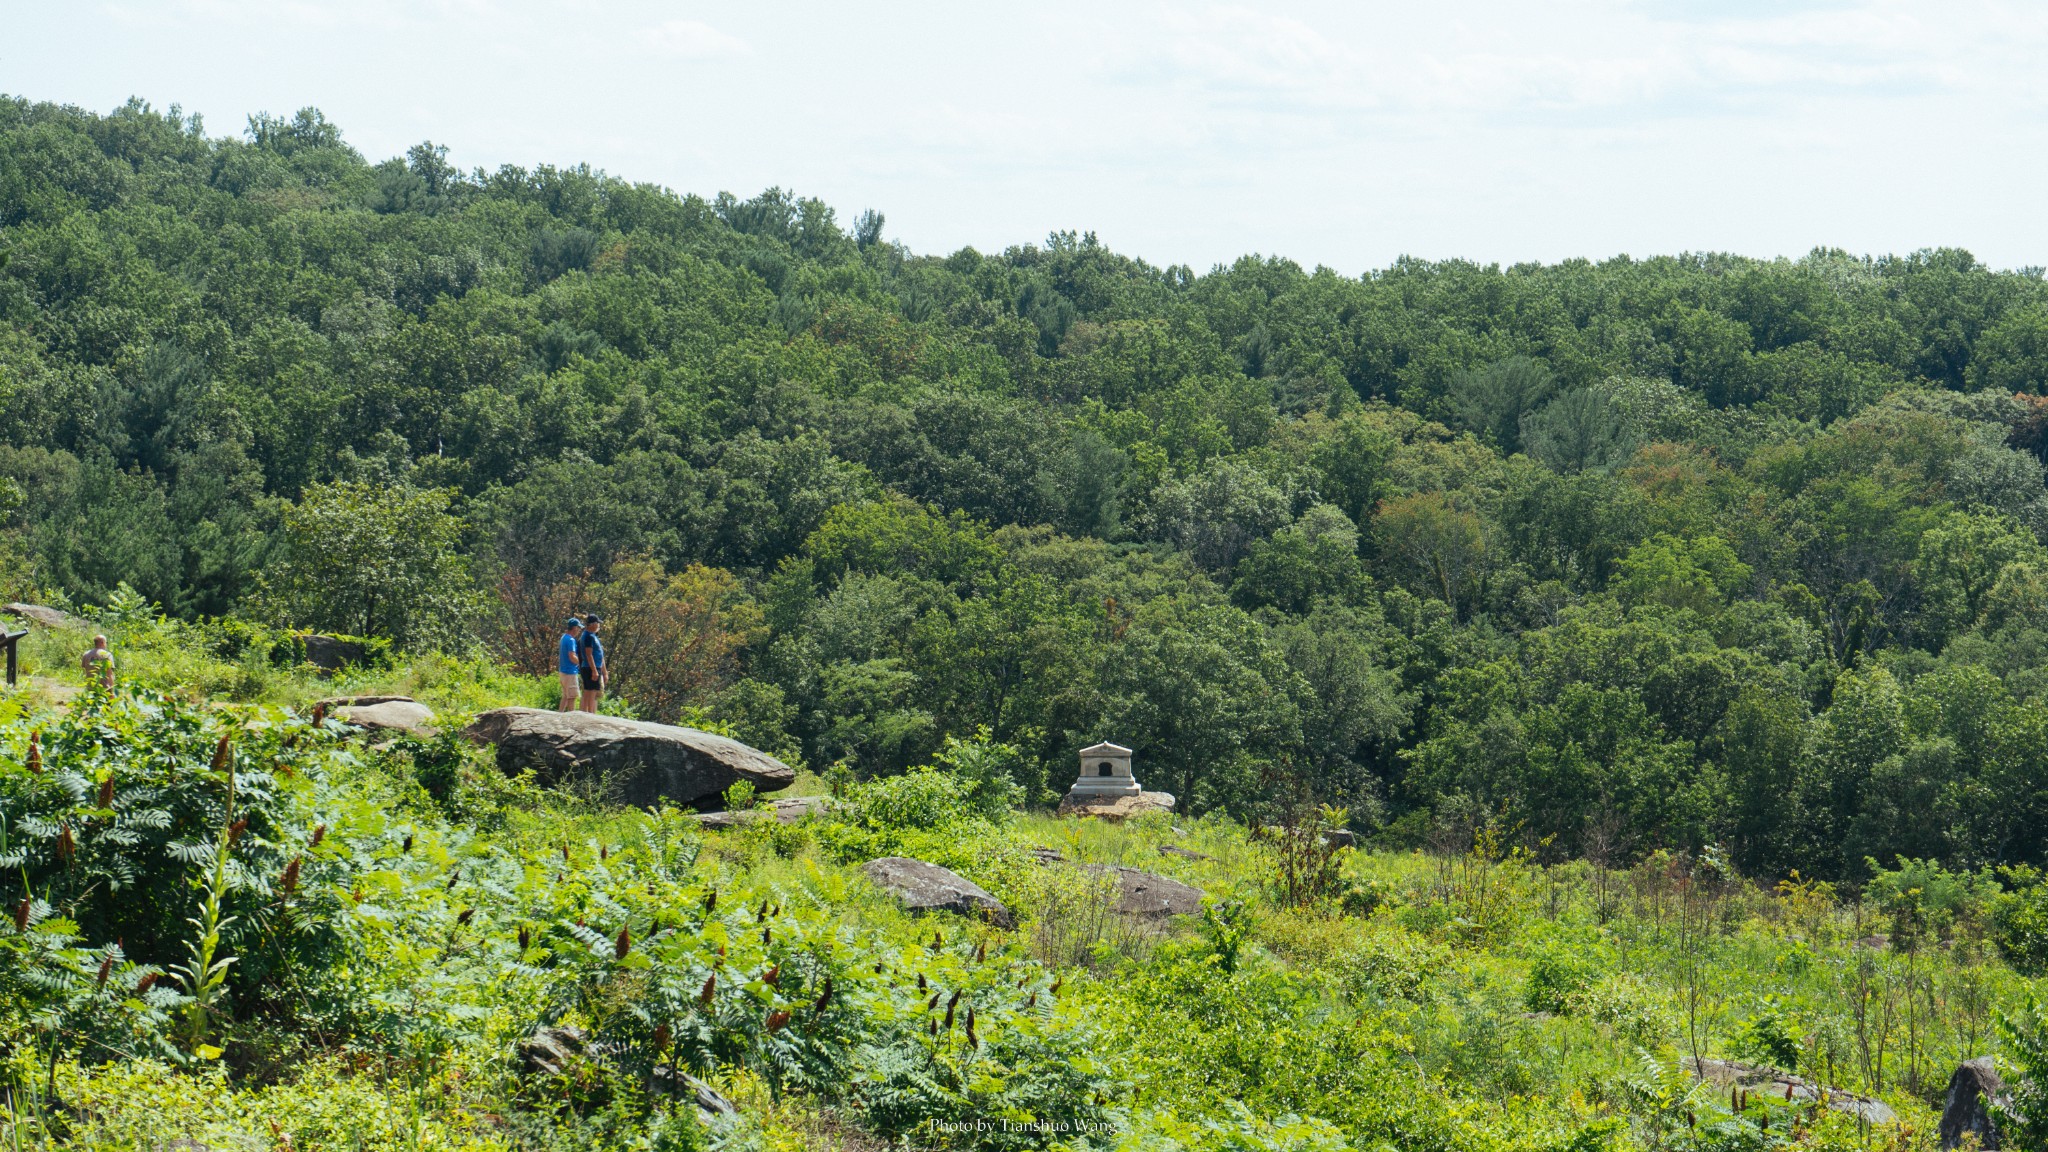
x=40, y=614
x=923, y=887
x=790, y=811
x=1114, y=808
x=389, y=715
x=1785, y=1086
x=1183, y=853
x=1143, y=894
x=708, y=1099
x=1975, y=1086
x=632, y=761
x=332, y=653
x=551, y=1050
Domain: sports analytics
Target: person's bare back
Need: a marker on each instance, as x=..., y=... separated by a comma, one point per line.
x=98, y=661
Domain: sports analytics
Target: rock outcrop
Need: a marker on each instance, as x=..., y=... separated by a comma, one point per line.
x=1785, y=1086
x=39, y=614
x=332, y=653
x=630, y=761
x=1148, y=896
x=923, y=887
x=1975, y=1086
x=1115, y=807
x=383, y=714
x=789, y=811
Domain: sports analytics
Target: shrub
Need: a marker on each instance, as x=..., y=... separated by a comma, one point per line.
x=2019, y=920
x=1554, y=978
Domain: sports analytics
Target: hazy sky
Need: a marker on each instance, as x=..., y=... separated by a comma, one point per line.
x=1335, y=133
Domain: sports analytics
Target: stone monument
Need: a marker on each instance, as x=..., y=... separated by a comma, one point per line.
x=1106, y=787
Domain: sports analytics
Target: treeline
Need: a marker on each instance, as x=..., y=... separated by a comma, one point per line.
x=1620, y=555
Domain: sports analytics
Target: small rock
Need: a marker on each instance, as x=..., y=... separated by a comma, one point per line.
x=1784, y=1085
x=1975, y=1086
x=1183, y=853
x=1045, y=855
x=1340, y=838
x=40, y=614
x=1146, y=895
x=923, y=887
x=551, y=1050
x=708, y=1099
x=1115, y=807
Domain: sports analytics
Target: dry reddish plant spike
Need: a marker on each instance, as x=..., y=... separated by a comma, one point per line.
x=778, y=1020
x=290, y=882
x=710, y=986
x=525, y=937
x=452, y=878
x=604, y=852
x=147, y=982
x=971, y=1037
x=21, y=912
x=466, y=914
x=221, y=754
x=623, y=944
x=319, y=714
x=661, y=1035
x=825, y=997
x=107, y=792
x=319, y=834
x=711, y=900
x=922, y=983
x=106, y=968
x=65, y=844
x=952, y=1004
x=35, y=752
x=772, y=975
x=407, y=846
x=768, y=934
x=236, y=829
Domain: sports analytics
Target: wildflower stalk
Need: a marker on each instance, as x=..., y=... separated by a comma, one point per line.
x=204, y=975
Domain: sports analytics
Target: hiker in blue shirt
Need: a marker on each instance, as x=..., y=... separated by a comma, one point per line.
x=568, y=660
x=590, y=665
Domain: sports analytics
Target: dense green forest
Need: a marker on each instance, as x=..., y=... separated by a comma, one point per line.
x=1646, y=553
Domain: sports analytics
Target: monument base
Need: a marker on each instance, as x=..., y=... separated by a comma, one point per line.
x=1115, y=807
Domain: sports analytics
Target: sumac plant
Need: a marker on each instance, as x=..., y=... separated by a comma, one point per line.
x=114, y=820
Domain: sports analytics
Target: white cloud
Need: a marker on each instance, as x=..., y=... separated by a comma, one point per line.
x=691, y=40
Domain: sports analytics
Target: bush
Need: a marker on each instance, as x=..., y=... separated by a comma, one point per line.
x=2019, y=920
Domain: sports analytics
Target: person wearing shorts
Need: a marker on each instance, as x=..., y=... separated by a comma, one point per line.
x=568, y=662
x=98, y=663
x=591, y=671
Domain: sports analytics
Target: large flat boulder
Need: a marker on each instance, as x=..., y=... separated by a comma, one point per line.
x=1975, y=1086
x=791, y=811
x=1114, y=808
x=1146, y=895
x=923, y=887
x=384, y=714
x=1785, y=1086
x=39, y=614
x=632, y=761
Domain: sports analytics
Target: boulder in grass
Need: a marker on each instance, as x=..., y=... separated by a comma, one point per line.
x=790, y=811
x=1151, y=897
x=631, y=761
x=1975, y=1086
x=40, y=614
x=1115, y=808
x=384, y=714
x=331, y=654
x=923, y=887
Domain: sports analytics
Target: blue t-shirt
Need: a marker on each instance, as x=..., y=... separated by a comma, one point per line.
x=593, y=651
x=566, y=662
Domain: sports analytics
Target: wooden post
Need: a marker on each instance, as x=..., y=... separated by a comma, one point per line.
x=10, y=639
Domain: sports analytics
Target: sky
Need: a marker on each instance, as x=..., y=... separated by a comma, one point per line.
x=1339, y=134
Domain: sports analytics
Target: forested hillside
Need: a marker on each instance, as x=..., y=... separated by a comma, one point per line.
x=1668, y=552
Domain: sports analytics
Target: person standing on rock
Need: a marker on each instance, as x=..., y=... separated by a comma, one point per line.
x=591, y=663
x=98, y=663
x=569, y=663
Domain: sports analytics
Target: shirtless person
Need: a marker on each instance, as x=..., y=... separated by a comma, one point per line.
x=98, y=663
